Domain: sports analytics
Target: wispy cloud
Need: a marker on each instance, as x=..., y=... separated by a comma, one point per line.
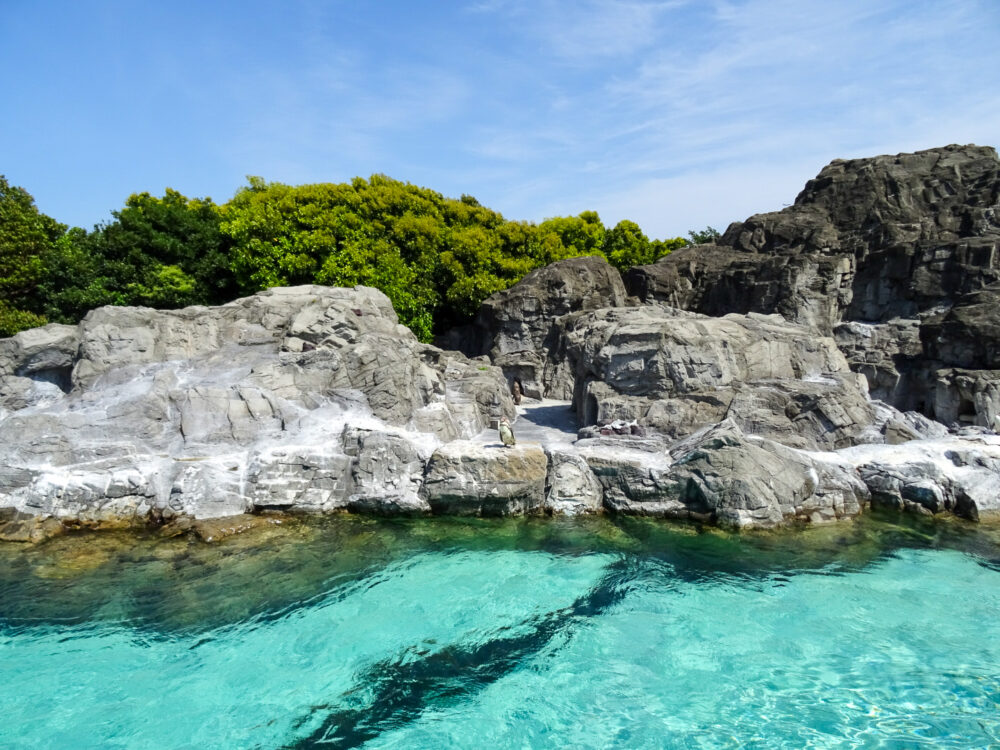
x=676, y=113
x=587, y=30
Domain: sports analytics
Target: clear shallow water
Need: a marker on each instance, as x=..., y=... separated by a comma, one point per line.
x=521, y=633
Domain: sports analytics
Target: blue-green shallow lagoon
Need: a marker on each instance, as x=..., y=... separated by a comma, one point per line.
x=527, y=633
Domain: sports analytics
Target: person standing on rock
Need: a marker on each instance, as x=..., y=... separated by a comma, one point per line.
x=506, y=433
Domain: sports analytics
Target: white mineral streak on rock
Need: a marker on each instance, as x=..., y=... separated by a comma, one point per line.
x=305, y=399
x=955, y=473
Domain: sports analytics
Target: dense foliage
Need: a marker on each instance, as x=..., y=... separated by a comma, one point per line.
x=436, y=258
x=161, y=252
x=25, y=237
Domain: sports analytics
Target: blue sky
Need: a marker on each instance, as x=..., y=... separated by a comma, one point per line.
x=675, y=113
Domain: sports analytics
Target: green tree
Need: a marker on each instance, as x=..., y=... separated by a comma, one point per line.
x=436, y=258
x=703, y=237
x=162, y=252
x=625, y=246
x=578, y=235
x=26, y=237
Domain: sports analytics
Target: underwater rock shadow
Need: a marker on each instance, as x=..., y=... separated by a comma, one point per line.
x=403, y=687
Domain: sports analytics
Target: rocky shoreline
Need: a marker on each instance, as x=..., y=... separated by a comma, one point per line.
x=835, y=355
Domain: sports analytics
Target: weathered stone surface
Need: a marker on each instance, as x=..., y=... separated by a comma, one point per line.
x=636, y=480
x=677, y=372
x=310, y=399
x=955, y=474
x=571, y=488
x=888, y=245
x=967, y=397
x=35, y=366
x=809, y=289
x=205, y=488
x=219, y=411
x=515, y=327
x=886, y=354
x=751, y=482
x=46, y=353
x=719, y=475
x=468, y=478
x=387, y=472
x=309, y=478
x=968, y=334
x=867, y=239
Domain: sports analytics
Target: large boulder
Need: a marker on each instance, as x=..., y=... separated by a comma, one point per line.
x=472, y=479
x=571, y=488
x=722, y=476
x=36, y=365
x=676, y=372
x=953, y=474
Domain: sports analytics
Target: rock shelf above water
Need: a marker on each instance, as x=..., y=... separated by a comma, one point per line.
x=831, y=356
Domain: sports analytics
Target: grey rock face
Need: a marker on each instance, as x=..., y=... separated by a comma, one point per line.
x=312, y=399
x=968, y=334
x=571, y=487
x=387, y=473
x=35, y=366
x=967, y=397
x=471, y=479
x=47, y=352
x=810, y=289
x=885, y=353
x=677, y=372
x=306, y=399
x=516, y=327
x=867, y=239
x=720, y=475
x=882, y=250
x=306, y=478
x=959, y=475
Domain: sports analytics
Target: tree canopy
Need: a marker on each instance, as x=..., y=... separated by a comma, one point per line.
x=436, y=258
x=25, y=237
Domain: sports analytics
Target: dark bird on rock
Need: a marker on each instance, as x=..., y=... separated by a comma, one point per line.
x=506, y=433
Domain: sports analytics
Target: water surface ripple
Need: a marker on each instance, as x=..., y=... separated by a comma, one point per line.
x=535, y=633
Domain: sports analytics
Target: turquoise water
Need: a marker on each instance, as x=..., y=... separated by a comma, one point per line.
x=519, y=633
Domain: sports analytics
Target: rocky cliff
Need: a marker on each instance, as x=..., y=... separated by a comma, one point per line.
x=840, y=353
x=896, y=256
